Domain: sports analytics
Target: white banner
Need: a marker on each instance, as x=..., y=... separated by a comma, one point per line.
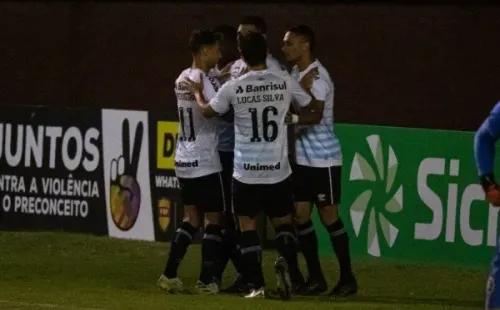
x=126, y=174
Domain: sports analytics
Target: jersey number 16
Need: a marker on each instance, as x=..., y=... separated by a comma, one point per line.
x=266, y=125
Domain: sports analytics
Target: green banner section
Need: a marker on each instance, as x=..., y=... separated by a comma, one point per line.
x=413, y=194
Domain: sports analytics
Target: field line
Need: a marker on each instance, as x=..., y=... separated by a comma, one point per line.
x=44, y=305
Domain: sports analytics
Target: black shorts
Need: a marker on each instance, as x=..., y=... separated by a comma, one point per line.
x=206, y=192
x=276, y=200
x=226, y=160
x=321, y=186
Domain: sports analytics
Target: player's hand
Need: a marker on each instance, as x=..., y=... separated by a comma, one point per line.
x=491, y=189
x=493, y=195
x=195, y=87
x=226, y=71
x=224, y=76
x=308, y=79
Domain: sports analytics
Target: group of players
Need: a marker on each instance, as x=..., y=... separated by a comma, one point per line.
x=236, y=104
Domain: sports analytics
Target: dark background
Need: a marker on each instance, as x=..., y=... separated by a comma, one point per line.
x=416, y=66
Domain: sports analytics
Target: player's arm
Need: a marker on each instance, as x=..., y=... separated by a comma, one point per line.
x=311, y=109
x=203, y=104
x=228, y=117
x=318, y=90
x=484, y=152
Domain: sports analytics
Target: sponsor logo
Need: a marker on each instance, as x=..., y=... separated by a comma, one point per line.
x=167, y=135
x=164, y=213
x=187, y=164
x=261, y=88
x=259, y=167
x=373, y=205
x=452, y=205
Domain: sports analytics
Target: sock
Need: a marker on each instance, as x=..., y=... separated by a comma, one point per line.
x=340, y=244
x=182, y=239
x=231, y=248
x=227, y=240
x=251, y=253
x=286, y=245
x=308, y=242
x=211, y=250
x=235, y=254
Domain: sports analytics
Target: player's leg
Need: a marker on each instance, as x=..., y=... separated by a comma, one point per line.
x=211, y=200
x=304, y=184
x=492, y=293
x=246, y=203
x=231, y=235
x=328, y=200
x=279, y=208
x=169, y=280
x=228, y=221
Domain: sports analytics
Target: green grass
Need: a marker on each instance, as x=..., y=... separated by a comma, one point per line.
x=65, y=271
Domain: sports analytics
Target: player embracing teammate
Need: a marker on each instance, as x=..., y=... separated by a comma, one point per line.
x=251, y=112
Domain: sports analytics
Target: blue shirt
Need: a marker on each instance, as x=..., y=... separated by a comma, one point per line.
x=484, y=141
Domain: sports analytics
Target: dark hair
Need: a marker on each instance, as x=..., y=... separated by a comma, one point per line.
x=307, y=33
x=253, y=48
x=257, y=21
x=200, y=38
x=229, y=32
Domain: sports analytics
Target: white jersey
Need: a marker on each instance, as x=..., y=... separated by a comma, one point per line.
x=196, y=151
x=225, y=130
x=239, y=66
x=318, y=147
x=260, y=100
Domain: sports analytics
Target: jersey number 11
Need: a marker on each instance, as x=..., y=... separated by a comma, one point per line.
x=191, y=136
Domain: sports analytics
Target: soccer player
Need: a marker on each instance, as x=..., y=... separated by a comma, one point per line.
x=317, y=173
x=484, y=151
x=248, y=25
x=261, y=99
x=198, y=168
x=229, y=50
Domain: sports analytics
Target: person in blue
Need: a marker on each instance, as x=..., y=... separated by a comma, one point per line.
x=484, y=152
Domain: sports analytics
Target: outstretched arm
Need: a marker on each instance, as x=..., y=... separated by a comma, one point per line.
x=204, y=106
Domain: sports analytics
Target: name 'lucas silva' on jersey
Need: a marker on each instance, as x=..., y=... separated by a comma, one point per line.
x=260, y=88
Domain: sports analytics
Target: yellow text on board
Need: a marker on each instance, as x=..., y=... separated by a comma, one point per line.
x=167, y=133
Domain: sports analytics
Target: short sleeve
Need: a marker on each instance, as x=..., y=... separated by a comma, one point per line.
x=298, y=94
x=222, y=101
x=214, y=72
x=320, y=89
x=275, y=66
x=210, y=87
